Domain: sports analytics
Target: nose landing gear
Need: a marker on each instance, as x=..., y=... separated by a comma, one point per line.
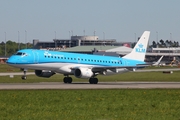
x=24, y=77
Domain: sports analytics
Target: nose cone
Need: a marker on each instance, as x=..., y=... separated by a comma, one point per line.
x=19, y=60
x=11, y=60
x=21, y=57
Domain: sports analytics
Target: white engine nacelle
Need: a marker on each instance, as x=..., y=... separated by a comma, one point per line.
x=44, y=73
x=83, y=73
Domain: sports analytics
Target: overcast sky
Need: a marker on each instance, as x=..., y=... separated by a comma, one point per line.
x=123, y=20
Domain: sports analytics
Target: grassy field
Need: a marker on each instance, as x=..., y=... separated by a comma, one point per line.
x=7, y=68
x=90, y=104
x=115, y=104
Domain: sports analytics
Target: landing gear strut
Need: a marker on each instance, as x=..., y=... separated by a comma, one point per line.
x=93, y=80
x=24, y=77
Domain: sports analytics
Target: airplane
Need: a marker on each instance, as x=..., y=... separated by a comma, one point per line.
x=47, y=63
x=158, y=62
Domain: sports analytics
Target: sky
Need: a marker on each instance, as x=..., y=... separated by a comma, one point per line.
x=123, y=20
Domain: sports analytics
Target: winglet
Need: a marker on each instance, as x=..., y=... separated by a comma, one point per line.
x=139, y=51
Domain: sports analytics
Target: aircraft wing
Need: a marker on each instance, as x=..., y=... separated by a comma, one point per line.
x=132, y=68
x=112, y=68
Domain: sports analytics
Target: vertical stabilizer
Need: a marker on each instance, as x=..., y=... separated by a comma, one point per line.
x=139, y=51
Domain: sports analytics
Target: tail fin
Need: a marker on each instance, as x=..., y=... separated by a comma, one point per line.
x=139, y=51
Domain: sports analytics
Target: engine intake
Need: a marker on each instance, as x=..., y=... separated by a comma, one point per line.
x=83, y=73
x=44, y=73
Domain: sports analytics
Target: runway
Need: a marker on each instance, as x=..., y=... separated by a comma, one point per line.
x=100, y=85
x=15, y=73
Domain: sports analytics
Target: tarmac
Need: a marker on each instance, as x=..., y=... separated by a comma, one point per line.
x=86, y=85
x=100, y=85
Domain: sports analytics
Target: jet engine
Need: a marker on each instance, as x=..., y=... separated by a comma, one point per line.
x=44, y=73
x=83, y=73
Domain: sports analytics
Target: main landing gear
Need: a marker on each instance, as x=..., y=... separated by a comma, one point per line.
x=93, y=80
x=24, y=77
x=67, y=79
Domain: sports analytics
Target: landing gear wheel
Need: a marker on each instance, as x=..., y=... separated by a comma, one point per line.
x=67, y=80
x=23, y=77
x=93, y=80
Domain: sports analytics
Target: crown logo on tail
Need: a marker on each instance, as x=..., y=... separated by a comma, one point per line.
x=140, y=48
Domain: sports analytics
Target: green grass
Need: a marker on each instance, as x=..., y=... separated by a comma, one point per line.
x=7, y=68
x=124, y=104
x=116, y=104
x=130, y=76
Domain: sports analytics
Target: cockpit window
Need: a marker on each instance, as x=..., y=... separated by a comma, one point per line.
x=24, y=54
x=20, y=54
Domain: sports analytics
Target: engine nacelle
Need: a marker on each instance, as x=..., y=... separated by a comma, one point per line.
x=44, y=73
x=83, y=73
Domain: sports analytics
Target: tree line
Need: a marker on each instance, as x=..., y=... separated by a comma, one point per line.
x=12, y=47
x=161, y=44
x=165, y=44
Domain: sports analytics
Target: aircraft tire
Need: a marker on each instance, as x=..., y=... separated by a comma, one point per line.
x=23, y=77
x=69, y=79
x=65, y=80
x=93, y=80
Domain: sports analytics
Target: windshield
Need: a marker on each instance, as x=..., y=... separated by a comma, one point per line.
x=20, y=54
